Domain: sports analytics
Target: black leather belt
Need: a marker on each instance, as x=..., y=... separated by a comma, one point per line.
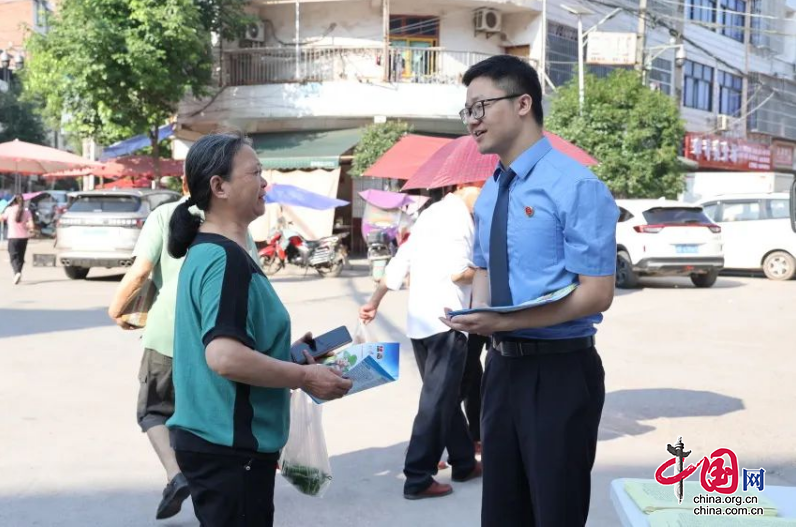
x=514, y=347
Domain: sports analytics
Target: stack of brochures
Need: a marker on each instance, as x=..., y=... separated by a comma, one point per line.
x=367, y=365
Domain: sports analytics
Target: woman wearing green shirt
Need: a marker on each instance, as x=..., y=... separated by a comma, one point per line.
x=232, y=366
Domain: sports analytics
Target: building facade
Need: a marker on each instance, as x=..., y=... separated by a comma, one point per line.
x=334, y=65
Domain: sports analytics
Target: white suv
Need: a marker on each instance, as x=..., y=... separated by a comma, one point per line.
x=757, y=232
x=665, y=237
x=100, y=228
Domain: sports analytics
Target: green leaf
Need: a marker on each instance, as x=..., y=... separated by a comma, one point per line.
x=376, y=140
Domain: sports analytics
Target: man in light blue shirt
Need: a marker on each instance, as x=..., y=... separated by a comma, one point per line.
x=543, y=222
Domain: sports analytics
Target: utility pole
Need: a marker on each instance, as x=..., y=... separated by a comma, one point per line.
x=745, y=103
x=386, y=60
x=677, y=84
x=298, y=43
x=581, y=88
x=641, y=35
x=580, y=12
x=543, y=61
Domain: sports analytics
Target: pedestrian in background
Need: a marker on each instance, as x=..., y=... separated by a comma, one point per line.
x=20, y=225
x=437, y=257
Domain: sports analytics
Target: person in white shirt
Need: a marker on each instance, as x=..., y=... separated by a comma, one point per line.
x=438, y=258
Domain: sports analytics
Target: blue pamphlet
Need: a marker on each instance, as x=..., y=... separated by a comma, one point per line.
x=539, y=301
x=368, y=365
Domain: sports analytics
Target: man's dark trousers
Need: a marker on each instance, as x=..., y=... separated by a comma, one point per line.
x=539, y=433
x=471, y=384
x=440, y=422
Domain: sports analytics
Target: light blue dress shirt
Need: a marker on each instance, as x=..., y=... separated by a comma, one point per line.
x=561, y=224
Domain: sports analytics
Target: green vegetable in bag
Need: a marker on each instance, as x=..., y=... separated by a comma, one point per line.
x=308, y=480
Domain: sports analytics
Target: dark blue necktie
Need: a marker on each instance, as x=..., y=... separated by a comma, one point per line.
x=498, y=244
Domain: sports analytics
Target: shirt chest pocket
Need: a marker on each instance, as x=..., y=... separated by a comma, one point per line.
x=533, y=238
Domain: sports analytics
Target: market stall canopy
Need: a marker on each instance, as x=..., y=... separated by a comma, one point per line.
x=304, y=150
x=136, y=143
x=28, y=158
x=460, y=162
x=280, y=193
x=127, y=183
x=386, y=199
x=125, y=167
x=404, y=158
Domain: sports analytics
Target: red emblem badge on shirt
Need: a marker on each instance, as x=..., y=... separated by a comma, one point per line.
x=529, y=211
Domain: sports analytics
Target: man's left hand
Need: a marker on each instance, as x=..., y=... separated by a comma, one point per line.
x=124, y=325
x=481, y=323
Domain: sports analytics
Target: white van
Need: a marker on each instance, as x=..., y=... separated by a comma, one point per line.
x=757, y=232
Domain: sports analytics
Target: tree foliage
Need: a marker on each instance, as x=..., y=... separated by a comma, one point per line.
x=18, y=118
x=109, y=68
x=633, y=131
x=376, y=140
x=226, y=18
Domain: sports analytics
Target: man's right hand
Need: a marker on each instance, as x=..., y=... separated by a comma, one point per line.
x=368, y=312
x=325, y=383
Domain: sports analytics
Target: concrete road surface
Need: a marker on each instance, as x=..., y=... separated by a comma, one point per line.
x=715, y=366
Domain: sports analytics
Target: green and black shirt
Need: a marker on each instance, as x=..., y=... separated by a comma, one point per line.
x=222, y=292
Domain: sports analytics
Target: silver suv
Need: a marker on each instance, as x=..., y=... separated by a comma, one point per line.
x=100, y=228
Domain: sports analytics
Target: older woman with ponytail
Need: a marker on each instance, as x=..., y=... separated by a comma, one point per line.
x=20, y=223
x=232, y=366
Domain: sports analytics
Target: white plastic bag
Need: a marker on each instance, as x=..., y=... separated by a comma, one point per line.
x=362, y=334
x=304, y=461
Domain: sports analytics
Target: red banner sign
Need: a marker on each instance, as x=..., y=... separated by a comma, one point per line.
x=783, y=155
x=715, y=152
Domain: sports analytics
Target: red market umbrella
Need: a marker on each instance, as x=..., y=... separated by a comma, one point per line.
x=28, y=158
x=127, y=183
x=125, y=167
x=403, y=159
x=460, y=162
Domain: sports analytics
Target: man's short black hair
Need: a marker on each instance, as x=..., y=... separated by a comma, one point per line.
x=512, y=75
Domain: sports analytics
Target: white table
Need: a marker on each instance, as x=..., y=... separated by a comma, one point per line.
x=783, y=497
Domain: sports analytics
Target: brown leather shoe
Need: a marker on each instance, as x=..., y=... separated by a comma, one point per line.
x=435, y=490
x=477, y=471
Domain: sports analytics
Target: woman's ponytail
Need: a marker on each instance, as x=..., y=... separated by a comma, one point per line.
x=183, y=228
x=20, y=201
x=211, y=155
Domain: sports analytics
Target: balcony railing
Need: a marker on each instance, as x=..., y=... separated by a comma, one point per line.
x=323, y=64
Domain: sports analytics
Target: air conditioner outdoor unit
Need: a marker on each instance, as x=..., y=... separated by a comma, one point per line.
x=723, y=122
x=487, y=20
x=255, y=32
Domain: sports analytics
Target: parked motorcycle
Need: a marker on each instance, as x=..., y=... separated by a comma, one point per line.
x=327, y=256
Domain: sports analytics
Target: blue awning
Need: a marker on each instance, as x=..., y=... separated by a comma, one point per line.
x=128, y=146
